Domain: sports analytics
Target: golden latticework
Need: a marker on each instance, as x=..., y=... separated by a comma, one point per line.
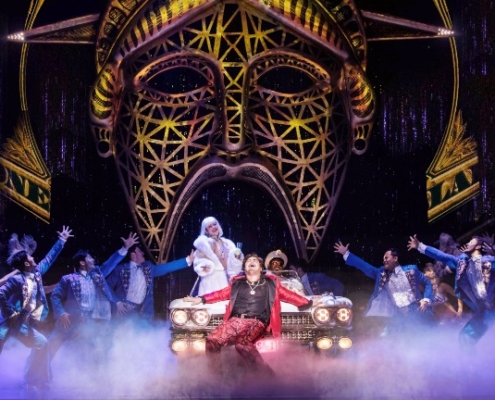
x=271, y=93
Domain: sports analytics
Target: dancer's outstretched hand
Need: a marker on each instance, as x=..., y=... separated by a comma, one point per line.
x=131, y=240
x=66, y=233
x=413, y=243
x=340, y=248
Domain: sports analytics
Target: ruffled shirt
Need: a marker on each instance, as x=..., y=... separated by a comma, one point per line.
x=32, y=292
x=88, y=292
x=397, y=293
x=137, y=284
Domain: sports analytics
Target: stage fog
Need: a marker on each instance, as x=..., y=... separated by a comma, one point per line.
x=141, y=366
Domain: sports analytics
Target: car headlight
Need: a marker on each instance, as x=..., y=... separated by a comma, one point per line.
x=179, y=345
x=179, y=317
x=345, y=343
x=201, y=317
x=324, y=343
x=199, y=345
x=343, y=314
x=321, y=315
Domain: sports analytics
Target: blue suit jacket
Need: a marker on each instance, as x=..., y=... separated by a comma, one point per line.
x=13, y=291
x=419, y=281
x=65, y=297
x=118, y=280
x=456, y=263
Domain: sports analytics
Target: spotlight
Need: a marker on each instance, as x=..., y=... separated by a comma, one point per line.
x=19, y=36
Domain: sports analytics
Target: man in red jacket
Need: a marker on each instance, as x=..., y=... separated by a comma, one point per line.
x=253, y=309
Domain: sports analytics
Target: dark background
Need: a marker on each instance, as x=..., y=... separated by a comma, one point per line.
x=382, y=202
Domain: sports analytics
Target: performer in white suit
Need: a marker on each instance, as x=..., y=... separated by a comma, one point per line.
x=216, y=259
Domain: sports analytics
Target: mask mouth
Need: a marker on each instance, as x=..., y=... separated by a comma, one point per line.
x=252, y=170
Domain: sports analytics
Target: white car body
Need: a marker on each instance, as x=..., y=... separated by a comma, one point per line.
x=324, y=327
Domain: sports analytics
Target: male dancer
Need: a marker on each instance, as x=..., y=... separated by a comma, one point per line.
x=82, y=302
x=23, y=301
x=133, y=283
x=474, y=284
x=254, y=308
x=398, y=289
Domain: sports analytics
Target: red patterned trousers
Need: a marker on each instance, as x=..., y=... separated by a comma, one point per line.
x=243, y=334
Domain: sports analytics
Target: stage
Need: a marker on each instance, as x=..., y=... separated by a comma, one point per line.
x=142, y=367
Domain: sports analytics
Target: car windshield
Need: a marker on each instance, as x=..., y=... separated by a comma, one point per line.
x=290, y=280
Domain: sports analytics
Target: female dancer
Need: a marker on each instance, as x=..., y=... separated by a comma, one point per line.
x=216, y=259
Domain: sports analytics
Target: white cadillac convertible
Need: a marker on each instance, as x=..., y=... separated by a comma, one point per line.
x=322, y=328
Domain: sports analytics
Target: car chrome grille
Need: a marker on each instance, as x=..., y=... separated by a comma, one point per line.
x=287, y=319
x=298, y=335
x=215, y=320
x=297, y=319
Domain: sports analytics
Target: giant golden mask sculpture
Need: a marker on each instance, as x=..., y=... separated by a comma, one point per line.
x=269, y=92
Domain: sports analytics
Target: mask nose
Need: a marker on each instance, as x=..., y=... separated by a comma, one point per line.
x=233, y=136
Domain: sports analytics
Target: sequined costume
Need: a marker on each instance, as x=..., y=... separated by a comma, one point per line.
x=396, y=293
x=16, y=314
x=474, y=286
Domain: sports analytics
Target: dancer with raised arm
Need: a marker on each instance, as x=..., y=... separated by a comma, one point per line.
x=23, y=301
x=82, y=302
x=133, y=283
x=397, y=295
x=474, y=284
